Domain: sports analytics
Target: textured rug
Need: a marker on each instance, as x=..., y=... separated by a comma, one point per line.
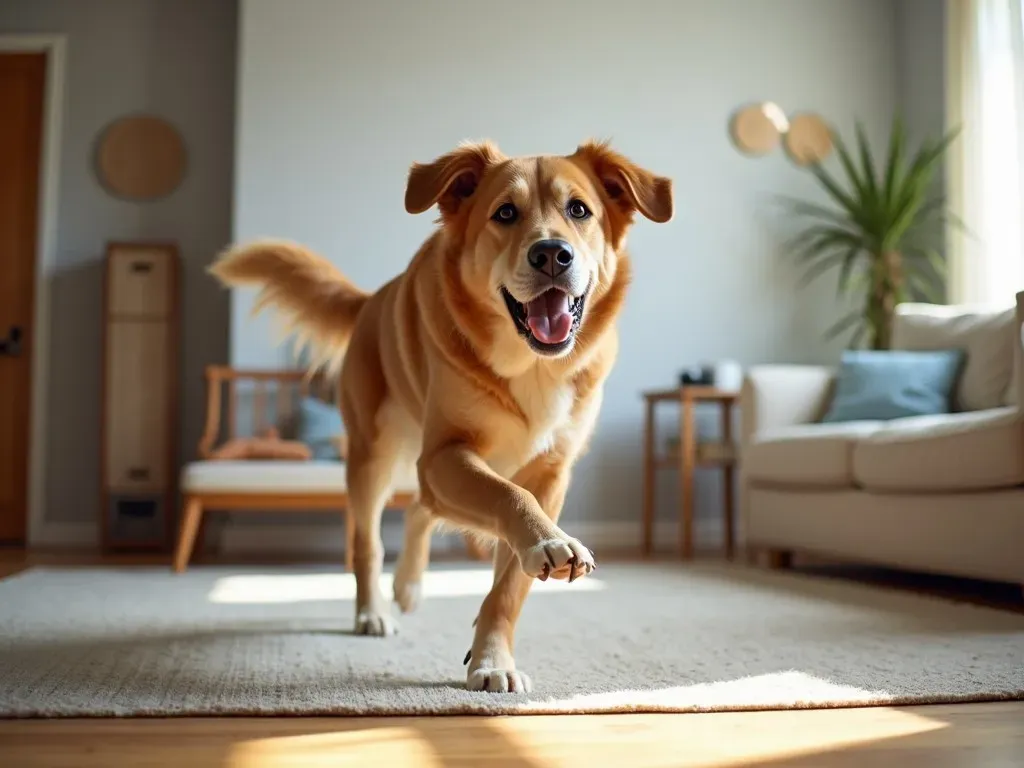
x=218, y=641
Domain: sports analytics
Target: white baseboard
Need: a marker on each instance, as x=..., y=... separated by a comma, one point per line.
x=73, y=535
x=255, y=535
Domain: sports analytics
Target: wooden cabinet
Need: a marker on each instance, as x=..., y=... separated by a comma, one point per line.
x=139, y=406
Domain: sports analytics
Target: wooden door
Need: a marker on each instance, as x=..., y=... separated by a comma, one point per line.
x=22, y=86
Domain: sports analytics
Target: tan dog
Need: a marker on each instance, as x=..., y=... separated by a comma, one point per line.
x=482, y=365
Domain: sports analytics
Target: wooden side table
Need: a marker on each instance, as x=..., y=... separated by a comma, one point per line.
x=691, y=454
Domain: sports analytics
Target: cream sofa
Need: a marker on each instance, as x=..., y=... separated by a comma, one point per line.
x=940, y=494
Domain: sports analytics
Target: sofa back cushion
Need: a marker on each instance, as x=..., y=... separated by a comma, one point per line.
x=986, y=335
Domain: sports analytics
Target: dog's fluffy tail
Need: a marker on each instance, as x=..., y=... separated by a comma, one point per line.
x=315, y=300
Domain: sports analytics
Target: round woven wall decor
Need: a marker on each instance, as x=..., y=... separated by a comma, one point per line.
x=756, y=128
x=141, y=157
x=809, y=139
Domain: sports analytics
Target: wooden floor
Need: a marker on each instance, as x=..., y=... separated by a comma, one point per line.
x=968, y=735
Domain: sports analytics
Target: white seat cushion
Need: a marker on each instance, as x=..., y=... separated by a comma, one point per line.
x=970, y=451
x=272, y=476
x=818, y=455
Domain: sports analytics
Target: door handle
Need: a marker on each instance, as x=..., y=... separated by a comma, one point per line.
x=11, y=346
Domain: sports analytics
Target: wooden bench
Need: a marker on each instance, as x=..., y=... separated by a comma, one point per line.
x=265, y=485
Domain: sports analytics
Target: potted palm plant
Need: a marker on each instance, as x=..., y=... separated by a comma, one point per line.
x=882, y=233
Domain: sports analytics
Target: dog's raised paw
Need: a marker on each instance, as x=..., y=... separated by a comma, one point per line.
x=495, y=680
x=370, y=622
x=407, y=595
x=557, y=559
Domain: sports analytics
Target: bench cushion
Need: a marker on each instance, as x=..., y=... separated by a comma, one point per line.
x=254, y=476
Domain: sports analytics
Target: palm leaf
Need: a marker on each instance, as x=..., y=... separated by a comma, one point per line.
x=848, y=165
x=818, y=242
x=849, y=259
x=819, y=268
x=842, y=324
x=922, y=289
x=853, y=206
x=895, y=158
x=857, y=336
x=935, y=263
x=813, y=211
x=867, y=167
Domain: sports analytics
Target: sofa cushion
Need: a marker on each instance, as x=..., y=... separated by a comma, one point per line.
x=954, y=452
x=272, y=477
x=819, y=455
x=891, y=384
x=986, y=335
x=319, y=427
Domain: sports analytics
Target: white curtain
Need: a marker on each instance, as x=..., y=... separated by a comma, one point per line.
x=985, y=168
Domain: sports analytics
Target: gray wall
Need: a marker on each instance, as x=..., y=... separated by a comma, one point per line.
x=336, y=101
x=175, y=58
x=921, y=48
x=921, y=51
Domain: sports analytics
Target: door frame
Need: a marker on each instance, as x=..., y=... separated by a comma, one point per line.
x=55, y=48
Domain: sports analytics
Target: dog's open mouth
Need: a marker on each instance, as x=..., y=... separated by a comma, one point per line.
x=548, y=322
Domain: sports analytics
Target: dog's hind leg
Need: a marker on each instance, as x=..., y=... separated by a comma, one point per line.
x=369, y=471
x=419, y=524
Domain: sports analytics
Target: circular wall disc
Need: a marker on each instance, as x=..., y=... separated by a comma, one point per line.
x=809, y=139
x=141, y=158
x=755, y=129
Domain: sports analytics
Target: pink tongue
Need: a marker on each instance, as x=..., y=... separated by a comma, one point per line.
x=548, y=317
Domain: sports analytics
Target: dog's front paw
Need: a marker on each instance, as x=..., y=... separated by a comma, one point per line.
x=496, y=680
x=376, y=623
x=562, y=558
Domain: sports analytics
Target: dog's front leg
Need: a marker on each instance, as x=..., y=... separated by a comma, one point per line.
x=459, y=485
x=492, y=665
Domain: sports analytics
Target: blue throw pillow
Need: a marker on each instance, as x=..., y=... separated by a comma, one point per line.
x=319, y=424
x=881, y=385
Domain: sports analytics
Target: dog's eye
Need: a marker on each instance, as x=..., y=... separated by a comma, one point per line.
x=578, y=210
x=506, y=214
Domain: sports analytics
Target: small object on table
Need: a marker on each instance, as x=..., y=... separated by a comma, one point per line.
x=689, y=455
x=697, y=376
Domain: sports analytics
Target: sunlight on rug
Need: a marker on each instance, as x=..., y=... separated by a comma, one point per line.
x=798, y=688
x=254, y=589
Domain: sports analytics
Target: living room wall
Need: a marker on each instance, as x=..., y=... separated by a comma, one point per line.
x=335, y=102
x=175, y=58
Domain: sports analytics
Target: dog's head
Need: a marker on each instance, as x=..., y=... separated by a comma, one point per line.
x=534, y=242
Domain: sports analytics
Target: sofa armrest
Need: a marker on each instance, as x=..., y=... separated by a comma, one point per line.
x=1017, y=398
x=783, y=395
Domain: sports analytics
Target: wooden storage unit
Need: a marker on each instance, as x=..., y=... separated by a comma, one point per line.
x=139, y=406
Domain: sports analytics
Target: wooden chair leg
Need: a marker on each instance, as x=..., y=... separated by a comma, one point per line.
x=780, y=558
x=350, y=541
x=191, y=517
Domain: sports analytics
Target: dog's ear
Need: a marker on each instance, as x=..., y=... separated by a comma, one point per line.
x=628, y=186
x=450, y=179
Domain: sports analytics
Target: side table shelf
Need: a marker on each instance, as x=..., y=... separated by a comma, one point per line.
x=686, y=453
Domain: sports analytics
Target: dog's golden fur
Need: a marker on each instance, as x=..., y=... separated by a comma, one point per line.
x=437, y=372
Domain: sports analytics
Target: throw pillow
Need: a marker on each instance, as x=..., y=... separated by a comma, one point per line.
x=320, y=427
x=881, y=385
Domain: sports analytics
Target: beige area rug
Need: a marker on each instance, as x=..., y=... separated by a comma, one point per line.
x=219, y=641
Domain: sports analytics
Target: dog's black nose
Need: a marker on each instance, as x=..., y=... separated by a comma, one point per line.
x=552, y=257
